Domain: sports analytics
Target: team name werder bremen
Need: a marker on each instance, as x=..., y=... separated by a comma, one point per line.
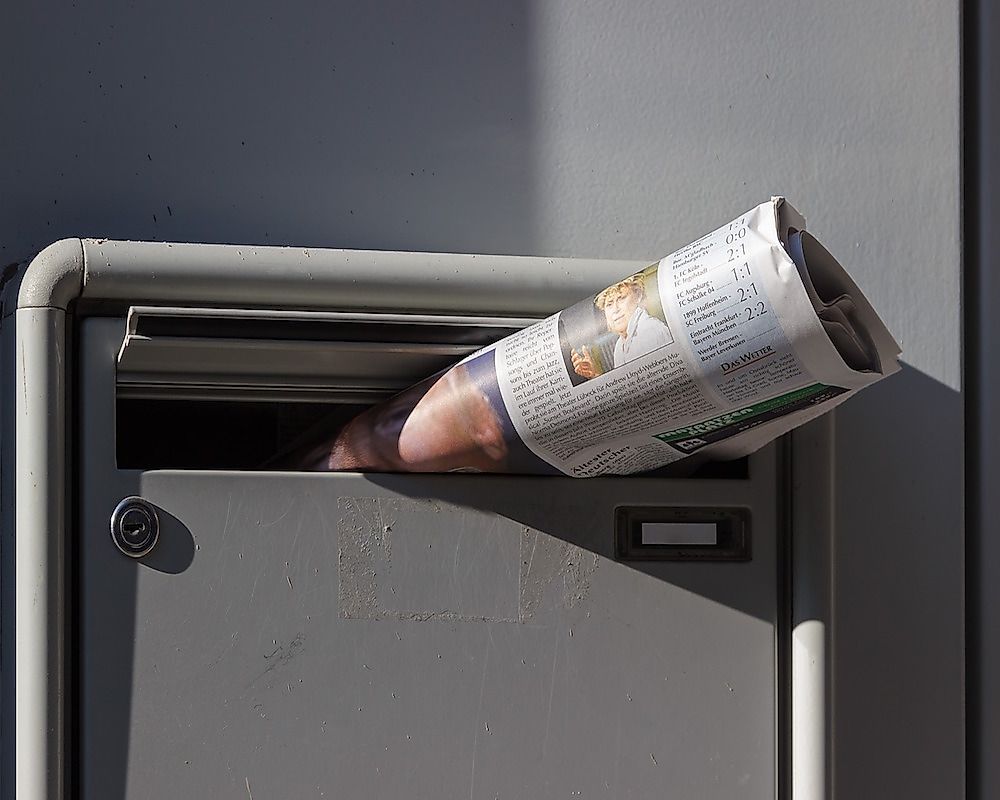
x=747, y=358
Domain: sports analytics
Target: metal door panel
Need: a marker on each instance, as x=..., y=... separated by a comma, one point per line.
x=413, y=636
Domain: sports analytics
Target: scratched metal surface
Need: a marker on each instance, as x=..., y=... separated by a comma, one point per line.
x=412, y=636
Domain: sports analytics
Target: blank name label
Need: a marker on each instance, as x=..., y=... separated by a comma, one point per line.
x=679, y=533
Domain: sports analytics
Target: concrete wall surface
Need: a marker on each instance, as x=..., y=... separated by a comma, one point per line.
x=603, y=129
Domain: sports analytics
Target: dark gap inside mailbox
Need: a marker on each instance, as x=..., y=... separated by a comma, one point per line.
x=161, y=433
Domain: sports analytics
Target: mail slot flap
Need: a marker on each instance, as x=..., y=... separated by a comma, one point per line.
x=346, y=357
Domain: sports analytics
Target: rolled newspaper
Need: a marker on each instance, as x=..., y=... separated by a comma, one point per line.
x=715, y=350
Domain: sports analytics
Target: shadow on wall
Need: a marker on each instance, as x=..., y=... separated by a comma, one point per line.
x=899, y=641
x=383, y=126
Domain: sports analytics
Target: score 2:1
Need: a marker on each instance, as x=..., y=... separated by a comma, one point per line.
x=746, y=292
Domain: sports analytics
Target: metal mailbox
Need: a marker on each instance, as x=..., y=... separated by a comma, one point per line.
x=179, y=621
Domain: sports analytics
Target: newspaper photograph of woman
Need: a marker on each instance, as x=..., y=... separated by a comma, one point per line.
x=616, y=326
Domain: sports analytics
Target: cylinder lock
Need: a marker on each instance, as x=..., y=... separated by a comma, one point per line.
x=135, y=527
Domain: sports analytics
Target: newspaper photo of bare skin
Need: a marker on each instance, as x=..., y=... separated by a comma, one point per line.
x=718, y=348
x=453, y=422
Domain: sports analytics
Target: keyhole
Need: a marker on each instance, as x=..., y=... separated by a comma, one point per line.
x=134, y=527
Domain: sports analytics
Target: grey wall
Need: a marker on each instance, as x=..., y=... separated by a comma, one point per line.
x=603, y=129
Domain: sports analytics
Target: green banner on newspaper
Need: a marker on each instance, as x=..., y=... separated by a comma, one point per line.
x=694, y=437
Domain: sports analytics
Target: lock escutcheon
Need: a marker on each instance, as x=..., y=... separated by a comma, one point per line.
x=135, y=527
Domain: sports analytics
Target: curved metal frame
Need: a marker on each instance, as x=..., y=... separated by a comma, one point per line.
x=72, y=273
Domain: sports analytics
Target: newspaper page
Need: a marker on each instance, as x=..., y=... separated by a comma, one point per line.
x=717, y=349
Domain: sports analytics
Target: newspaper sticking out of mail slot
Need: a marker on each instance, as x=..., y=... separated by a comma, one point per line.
x=714, y=351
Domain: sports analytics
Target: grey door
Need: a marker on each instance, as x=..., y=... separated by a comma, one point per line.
x=300, y=635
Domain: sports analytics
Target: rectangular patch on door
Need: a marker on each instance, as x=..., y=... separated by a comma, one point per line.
x=420, y=560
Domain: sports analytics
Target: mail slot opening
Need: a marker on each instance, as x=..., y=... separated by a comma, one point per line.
x=203, y=388
x=216, y=434
x=249, y=389
x=162, y=433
